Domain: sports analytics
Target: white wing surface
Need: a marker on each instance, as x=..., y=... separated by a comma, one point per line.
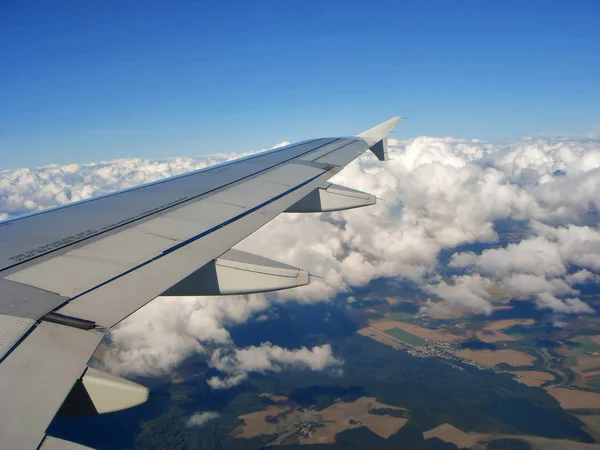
x=69, y=274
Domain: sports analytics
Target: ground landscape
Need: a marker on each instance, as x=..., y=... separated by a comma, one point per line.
x=507, y=380
x=570, y=374
x=308, y=426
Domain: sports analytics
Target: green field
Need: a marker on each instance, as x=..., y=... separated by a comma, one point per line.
x=594, y=383
x=404, y=336
x=401, y=316
x=587, y=346
x=513, y=332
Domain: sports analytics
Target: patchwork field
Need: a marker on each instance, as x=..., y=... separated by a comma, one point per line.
x=275, y=398
x=499, y=325
x=592, y=423
x=593, y=382
x=274, y=420
x=400, y=316
x=491, y=358
x=423, y=333
x=380, y=336
x=587, y=344
x=533, y=377
x=404, y=336
x=493, y=336
x=588, y=362
x=448, y=433
x=574, y=399
x=281, y=420
x=344, y=416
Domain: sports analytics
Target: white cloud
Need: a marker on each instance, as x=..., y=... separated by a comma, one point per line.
x=540, y=265
x=532, y=256
x=169, y=329
x=463, y=259
x=438, y=193
x=238, y=363
x=468, y=293
x=582, y=276
x=200, y=418
x=578, y=245
x=569, y=305
x=523, y=284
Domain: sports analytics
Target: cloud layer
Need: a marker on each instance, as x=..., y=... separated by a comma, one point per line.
x=200, y=418
x=437, y=194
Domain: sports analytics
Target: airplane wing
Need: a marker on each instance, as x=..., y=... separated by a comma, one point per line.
x=70, y=274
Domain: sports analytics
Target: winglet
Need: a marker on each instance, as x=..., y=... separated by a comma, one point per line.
x=377, y=137
x=377, y=133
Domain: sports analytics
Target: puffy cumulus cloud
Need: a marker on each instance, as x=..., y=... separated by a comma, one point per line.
x=462, y=260
x=168, y=330
x=540, y=266
x=436, y=194
x=200, y=418
x=533, y=256
x=433, y=197
x=524, y=285
x=439, y=194
x=568, y=305
x=468, y=293
x=561, y=175
x=237, y=364
x=582, y=276
x=579, y=245
x=27, y=190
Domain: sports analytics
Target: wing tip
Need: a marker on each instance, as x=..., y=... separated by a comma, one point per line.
x=379, y=132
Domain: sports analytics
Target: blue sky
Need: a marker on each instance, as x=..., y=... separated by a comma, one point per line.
x=88, y=80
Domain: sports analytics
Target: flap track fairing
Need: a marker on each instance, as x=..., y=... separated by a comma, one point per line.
x=332, y=198
x=98, y=392
x=237, y=272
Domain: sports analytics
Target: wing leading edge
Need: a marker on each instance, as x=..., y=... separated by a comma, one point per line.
x=69, y=274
